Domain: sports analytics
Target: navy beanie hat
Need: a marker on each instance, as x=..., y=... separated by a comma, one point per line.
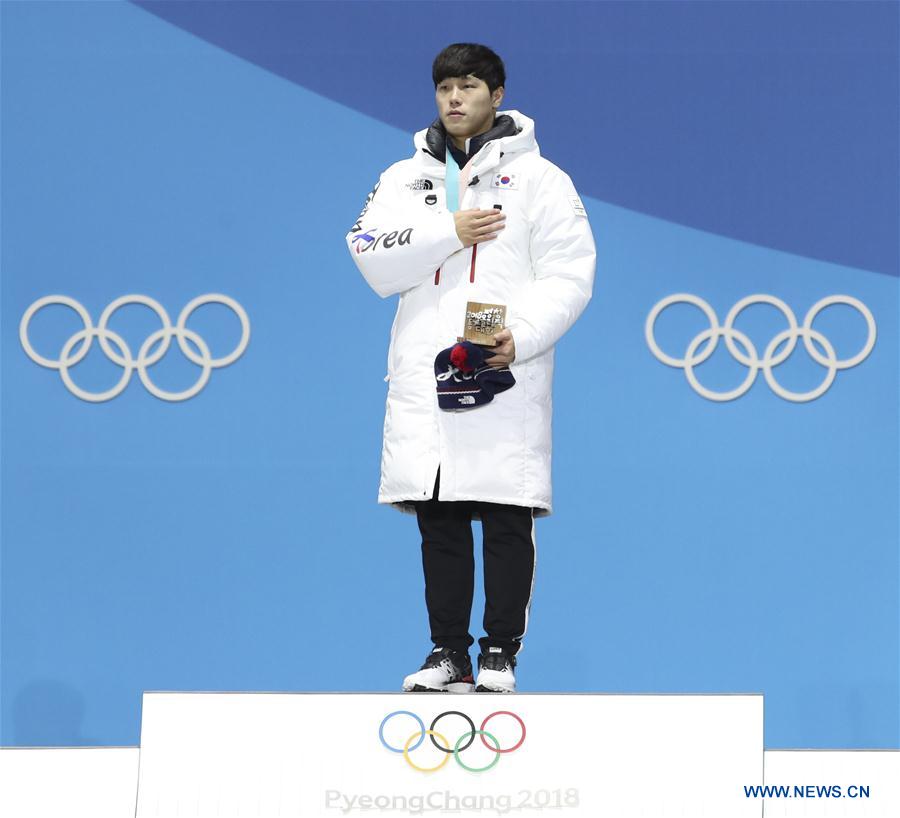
x=464, y=380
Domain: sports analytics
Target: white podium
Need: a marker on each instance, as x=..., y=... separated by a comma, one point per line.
x=296, y=755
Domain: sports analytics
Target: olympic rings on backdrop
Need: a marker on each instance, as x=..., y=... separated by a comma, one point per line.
x=743, y=350
x=122, y=356
x=462, y=743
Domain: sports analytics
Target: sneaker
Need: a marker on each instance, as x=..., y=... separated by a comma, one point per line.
x=444, y=671
x=495, y=672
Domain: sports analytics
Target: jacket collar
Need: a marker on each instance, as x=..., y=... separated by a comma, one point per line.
x=512, y=132
x=436, y=136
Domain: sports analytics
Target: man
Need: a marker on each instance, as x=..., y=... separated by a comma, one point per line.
x=476, y=214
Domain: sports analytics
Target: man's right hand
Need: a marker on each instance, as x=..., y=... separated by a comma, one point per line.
x=474, y=226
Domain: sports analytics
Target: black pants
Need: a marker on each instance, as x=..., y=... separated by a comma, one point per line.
x=449, y=565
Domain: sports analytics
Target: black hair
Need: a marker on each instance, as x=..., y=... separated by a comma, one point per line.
x=462, y=59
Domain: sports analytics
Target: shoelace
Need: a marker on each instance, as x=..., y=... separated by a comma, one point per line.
x=443, y=658
x=497, y=661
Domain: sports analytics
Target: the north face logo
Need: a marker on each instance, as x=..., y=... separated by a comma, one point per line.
x=420, y=184
x=466, y=399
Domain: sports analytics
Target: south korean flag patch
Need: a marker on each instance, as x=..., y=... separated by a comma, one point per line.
x=505, y=181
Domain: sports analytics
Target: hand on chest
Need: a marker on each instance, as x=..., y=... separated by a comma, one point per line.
x=501, y=191
x=492, y=189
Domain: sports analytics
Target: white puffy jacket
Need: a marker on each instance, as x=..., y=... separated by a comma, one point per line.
x=541, y=266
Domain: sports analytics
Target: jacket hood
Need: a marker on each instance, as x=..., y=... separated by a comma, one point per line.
x=512, y=132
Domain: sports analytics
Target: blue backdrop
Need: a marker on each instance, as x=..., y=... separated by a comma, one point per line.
x=231, y=541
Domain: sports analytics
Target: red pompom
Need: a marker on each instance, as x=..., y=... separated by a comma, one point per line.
x=458, y=357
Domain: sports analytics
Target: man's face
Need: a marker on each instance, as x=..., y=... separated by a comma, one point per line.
x=466, y=106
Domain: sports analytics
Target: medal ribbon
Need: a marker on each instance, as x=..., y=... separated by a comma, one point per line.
x=451, y=181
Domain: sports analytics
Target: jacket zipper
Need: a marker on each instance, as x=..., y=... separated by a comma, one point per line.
x=437, y=273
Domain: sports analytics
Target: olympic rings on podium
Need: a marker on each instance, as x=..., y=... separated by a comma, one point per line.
x=463, y=743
